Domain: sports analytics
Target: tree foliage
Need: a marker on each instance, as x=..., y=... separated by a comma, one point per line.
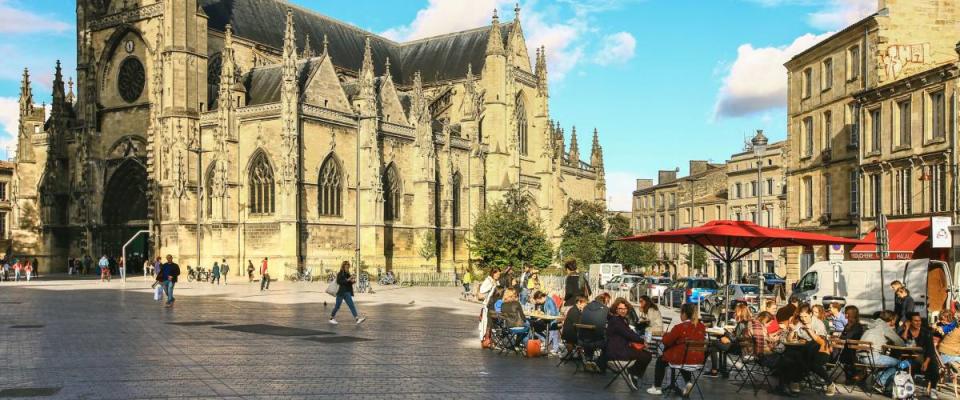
x=630, y=254
x=696, y=259
x=428, y=248
x=584, y=232
x=506, y=235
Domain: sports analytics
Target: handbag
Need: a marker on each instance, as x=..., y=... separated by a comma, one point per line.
x=158, y=293
x=333, y=288
x=638, y=346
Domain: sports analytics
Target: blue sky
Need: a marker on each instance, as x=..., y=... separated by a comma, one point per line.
x=664, y=81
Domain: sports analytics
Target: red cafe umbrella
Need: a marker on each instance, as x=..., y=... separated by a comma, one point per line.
x=730, y=241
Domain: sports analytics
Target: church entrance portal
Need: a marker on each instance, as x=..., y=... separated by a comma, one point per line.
x=124, y=213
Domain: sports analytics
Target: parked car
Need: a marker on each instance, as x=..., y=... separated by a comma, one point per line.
x=623, y=282
x=603, y=273
x=690, y=290
x=771, y=280
x=653, y=286
x=739, y=293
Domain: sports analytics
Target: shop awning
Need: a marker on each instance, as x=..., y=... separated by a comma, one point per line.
x=905, y=237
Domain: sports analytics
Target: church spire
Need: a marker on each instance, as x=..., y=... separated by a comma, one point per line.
x=71, y=98
x=495, y=39
x=367, y=75
x=227, y=62
x=59, y=97
x=541, y=71
x=326, y=44
x=596, y=154
x=574, y=154
x=26, y=95
x=307, y=50
x=289, y=49
x=386, y=73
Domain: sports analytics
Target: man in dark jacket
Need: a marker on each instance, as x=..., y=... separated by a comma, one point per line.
x=167, y=277
x=595, y=314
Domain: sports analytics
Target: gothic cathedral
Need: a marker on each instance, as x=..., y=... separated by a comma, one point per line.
x=244, y=129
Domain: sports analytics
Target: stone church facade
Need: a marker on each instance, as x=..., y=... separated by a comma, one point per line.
x=244, y=129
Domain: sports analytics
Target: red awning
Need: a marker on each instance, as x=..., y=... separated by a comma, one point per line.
x=904, y=239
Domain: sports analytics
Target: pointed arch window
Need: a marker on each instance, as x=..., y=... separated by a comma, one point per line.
x=522, y=126
x=330, y=188
x=392, y=193
x=261, y=185
x=455, y=208
x=208, y=189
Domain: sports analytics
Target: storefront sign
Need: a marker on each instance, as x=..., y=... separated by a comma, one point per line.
x=940, y=232
x=859, y=255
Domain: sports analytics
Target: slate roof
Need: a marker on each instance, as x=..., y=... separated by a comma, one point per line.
x=438, y=58
x=264, y=84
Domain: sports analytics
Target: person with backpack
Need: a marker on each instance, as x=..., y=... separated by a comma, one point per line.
x=574, y=285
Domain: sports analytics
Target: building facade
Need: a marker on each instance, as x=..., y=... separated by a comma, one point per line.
x=246, y=129
x=825, y=142
x=675, y=203
x=743, y=190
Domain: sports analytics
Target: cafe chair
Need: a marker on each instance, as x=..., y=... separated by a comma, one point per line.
x=950, y=372
x=758, y=368
x=695, y=370
x=590, y=341
x=621, y=369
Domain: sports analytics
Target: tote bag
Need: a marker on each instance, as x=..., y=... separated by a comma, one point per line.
x=332, y=288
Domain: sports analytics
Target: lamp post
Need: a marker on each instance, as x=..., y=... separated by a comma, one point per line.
x=196, y=149
x=759, y=143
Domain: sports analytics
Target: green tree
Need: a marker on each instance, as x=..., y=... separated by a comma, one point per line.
x=696, y=259
x=505, y=235
x=630, y=254
x=584, y=232
x=428, y=249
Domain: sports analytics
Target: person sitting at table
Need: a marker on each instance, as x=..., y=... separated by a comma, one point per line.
x=837, y=318
x=595, y=314
x=511, y=311
x=568, y=329
x=546, y=329
x=770, y=307
x=763, y=341
x=620, y=338
x=820, y=314
x=946, y=323
x=650, y=316
x=810, y=355
x=852, y=330
x=674, y=348
x=950, y=347
x=881, y=334
x=917, y=333
x=729, y=343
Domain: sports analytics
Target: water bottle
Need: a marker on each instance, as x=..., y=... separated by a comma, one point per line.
x=647, y=336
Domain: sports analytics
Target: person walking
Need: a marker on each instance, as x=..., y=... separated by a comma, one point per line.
x=147, y=268
x=167, y=277
x=224, y=270
x=264, y=275
x=104, y=265
x=467, y=282
x=250, y=270
x=28, y=269
x=344, y=293
x=17, y=268
x=6, y=269
x=215, y=274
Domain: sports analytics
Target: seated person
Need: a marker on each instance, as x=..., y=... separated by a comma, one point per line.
x=773, y=326
x=914, y=331
x=675, y=348
x=595, y=314
x=544, y=304
x=950, y=347
x=728, y=343
x=946, y=323
x=511, y=311
x=837, y=317
x=882, y=333
x=852, y=330
x=568, y=330
x=619, y=339
x=650, y=317
x=796, y=362
x=764, y=343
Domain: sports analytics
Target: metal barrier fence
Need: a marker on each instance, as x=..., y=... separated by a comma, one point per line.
x=426, y=279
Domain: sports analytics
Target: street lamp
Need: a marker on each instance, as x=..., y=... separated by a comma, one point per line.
x=759, y=143
x=196, y=149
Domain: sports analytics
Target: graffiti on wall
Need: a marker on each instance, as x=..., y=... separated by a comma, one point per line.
x=899, y=58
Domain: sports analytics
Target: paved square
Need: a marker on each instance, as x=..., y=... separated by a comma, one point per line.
x=114, y=342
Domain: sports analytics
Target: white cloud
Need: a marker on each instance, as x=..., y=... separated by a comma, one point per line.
x=9, y=124
x=617, y=48
x=838, y=14
x=564, y=28
x=757, y=80
x=620, y=187
x=14, y=20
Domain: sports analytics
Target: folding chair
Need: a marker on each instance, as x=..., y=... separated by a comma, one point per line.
x=621, y=370
x=948, y=370
x=738, y=366
x=695, y=370
x=758, y=372
x=589, y=342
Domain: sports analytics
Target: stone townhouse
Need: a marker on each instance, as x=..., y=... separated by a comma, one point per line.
x=825, y=142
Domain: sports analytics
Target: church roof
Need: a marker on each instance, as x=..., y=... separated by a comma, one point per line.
x=437, y=58
x=264, y=84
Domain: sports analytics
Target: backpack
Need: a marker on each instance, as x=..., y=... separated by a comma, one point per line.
x=903, y=387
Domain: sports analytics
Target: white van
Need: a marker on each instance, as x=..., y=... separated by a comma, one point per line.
x=602, y=273
x=858, y=283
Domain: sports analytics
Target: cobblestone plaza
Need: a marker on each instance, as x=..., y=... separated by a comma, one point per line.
x=87, y=340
